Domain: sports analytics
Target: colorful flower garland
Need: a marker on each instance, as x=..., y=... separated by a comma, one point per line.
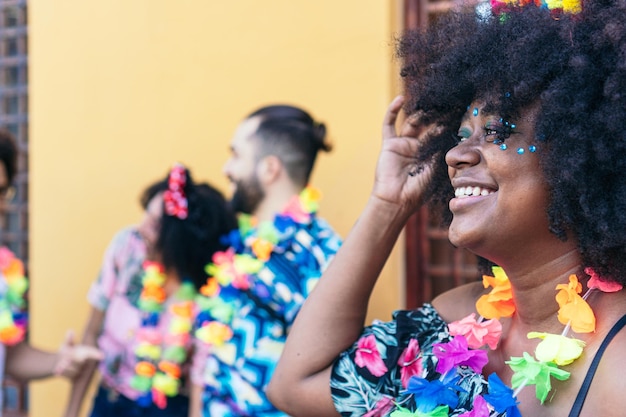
x=438, y=397
x=502, y=7
x=159, y=357
x=231, y=272
x=13, y=317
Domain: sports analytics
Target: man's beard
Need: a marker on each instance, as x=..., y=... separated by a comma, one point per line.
x=248, y=195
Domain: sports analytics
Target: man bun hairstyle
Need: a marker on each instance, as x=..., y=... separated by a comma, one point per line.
x=291, y=134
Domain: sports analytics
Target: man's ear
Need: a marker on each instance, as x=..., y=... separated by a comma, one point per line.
x=269, y=169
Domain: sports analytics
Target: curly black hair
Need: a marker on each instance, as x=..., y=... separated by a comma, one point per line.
x=575, y=66
x=8, y=153
x=187, y=245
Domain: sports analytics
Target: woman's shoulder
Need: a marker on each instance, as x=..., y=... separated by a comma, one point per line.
x=458, y=302
x=608, y=386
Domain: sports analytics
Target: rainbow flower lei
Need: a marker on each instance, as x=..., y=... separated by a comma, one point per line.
x=466, y=350
x=232, y=272
x=159, y=357
x=13, y=317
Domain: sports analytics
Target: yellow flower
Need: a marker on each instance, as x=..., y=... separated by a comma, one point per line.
x=556, y=348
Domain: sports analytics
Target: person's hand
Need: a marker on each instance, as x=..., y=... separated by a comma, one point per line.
x=398, y=179
x=72, y=357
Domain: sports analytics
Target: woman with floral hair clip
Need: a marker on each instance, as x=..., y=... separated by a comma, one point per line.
x=515, y=131
x=143, y=301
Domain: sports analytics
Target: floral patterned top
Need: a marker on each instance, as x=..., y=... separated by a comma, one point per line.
x=371, y=377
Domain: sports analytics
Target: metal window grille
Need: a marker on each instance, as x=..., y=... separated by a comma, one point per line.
x=14, y=117
x=433, y=265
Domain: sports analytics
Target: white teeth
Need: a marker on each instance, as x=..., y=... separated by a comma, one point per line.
x=472, y=191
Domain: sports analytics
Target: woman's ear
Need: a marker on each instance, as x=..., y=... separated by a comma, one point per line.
x=269, y=169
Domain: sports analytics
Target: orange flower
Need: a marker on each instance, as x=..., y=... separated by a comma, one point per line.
x=262, y=249
x=211, y=287
x=183, y=309
x=499, y=302
x=153, y=292
x=11, y=335
x=15, y=269
x=144, y=368
x=170, y=368
x=574, y=310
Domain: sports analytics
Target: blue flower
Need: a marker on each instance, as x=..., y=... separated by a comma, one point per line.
x=283, y=223
x=430, y=394
x=501, y=397
x=233, y=239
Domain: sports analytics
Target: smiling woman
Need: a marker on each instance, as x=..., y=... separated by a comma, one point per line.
x=485, y=169
x=515, y=124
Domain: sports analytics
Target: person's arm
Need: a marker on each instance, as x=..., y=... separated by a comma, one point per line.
x=332, y=318
x=81, y=383
x=195, y=400
x=118, y=254
x=199, y=356
x=26, y=362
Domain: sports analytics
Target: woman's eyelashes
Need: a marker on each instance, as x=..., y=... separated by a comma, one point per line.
x=493, y=132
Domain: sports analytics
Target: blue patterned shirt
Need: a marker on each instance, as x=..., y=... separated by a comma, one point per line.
x=237, y=372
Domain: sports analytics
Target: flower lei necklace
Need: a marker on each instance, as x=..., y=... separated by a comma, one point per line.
x=13, y=317
x=232, y=272
x=159, y=357
x=437, y=398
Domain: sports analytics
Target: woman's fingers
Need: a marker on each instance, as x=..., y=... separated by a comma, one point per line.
x=391, y=116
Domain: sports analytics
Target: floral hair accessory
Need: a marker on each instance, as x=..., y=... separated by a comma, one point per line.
x=13, y=318
x=174, y=197
x=503, y=7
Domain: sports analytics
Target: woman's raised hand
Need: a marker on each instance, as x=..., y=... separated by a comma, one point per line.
x=399, y=180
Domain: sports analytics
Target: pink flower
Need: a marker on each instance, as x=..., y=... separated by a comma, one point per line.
x=480, y=408
x=456, y=353
x=410, y=362
x=595, y=282
x=295, y=210
x=6, y=256
x=149, y=335
x=367, y=356
x=383, y=406
x=486, y=332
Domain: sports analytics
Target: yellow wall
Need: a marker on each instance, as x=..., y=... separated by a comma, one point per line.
x=121, y=89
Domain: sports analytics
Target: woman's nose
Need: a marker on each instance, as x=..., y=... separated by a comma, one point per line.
x=463, y=154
